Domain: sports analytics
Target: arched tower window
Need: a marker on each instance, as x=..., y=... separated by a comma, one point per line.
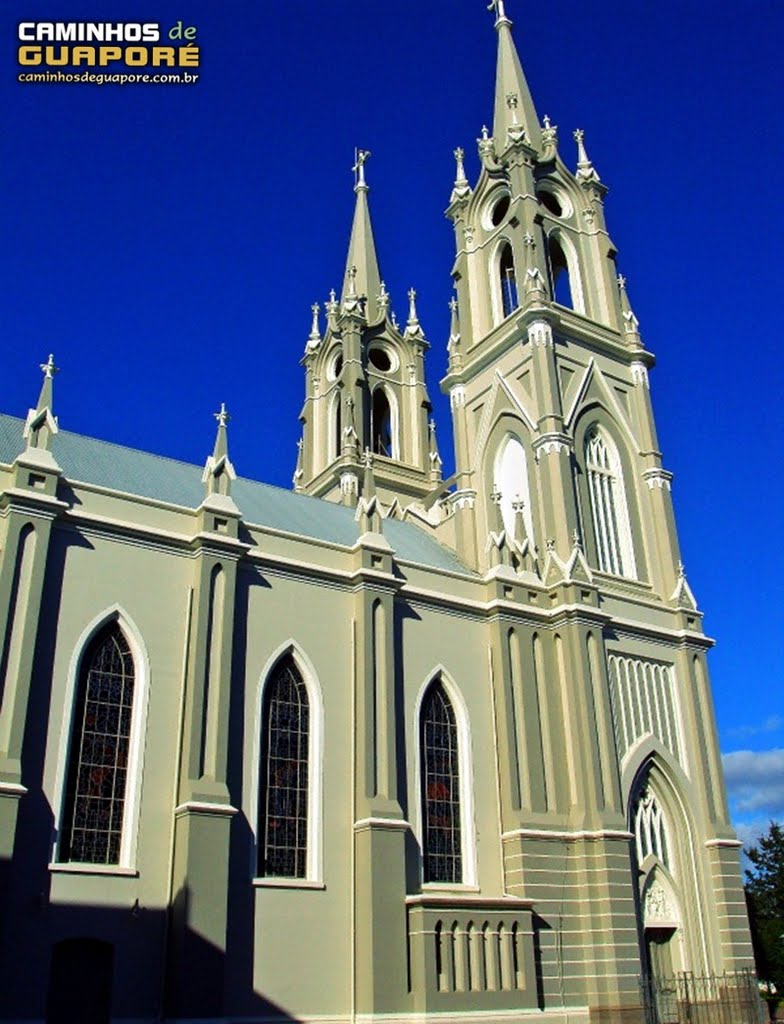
x=283, y=799
x=381, y=424
x=562, y=285
x=508, y=279
x=442, y=847
x=511, y=482
x=337, y=425
x=97, y=773
x=610, y=514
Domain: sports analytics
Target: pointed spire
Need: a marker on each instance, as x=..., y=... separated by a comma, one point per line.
x=586, y=172
x=368, y=513
x=461, y=190
x=514, y=107
x=631, y=325
x=534, y=283
x=362, y=248
x=436, y=462
x=683, y=596
x=453, y=345
x=218, y=470
x=413, y=327
x=314, y=338
x=299, y=471
x=41, y=422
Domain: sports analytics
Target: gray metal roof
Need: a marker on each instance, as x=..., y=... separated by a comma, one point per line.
x=87, y=460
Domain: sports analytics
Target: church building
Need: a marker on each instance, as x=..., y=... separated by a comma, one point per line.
x=390, y=746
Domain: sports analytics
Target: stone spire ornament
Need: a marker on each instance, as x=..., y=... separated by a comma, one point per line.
x=218, y=470
x=461, y=189
x=41, y=422
x=436, y=464
x=361, y=294
x=518, y=120
x=413, y=327
x=453, y=345
x=383, y=300
x=533, y=288
x=298, y=470
x=486, y=146
x=515, y=131
x=368, y=513
x=314, y=338
x=631, y=325
x=586, y=172
x=360, y=157
x=683, y=596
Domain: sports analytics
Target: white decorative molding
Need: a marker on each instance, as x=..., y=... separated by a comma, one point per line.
x=15, y=789
x=349, y=483
x=457, y=396
x=540, y=333
x=729, y=844
x=660, y=478
x=547, y=444
x=569, y=837
x=392, y=824
x=640, y=373
x=205, y=807
x=465, y=498
x=645, y=703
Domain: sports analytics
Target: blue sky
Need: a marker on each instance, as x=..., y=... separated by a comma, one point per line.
x=166, y=242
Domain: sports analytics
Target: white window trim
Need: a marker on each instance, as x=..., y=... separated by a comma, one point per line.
x=133, y=784
x=628, y=566
x=469, y=880
x=314, y=867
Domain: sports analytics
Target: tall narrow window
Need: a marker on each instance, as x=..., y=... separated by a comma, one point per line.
x=560, y=281
x=440, y=788
x=611, y=528
x=337, y=420
x=283, y=803
x=650, y=830
x=381, y=424
x=98, y=761
x=506, y=270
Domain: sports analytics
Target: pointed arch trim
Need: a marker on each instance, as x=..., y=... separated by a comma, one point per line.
x=439, y=674
x=136, y=743
x=314, y=855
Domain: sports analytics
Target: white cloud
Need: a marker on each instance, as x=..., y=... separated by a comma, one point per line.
x=773, y=723
x=755, y=783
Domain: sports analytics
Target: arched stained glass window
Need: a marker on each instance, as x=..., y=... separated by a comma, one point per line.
x=283, y=804
x=611, y=527
x=650, y=829
x=98, y=759
x=440, y=788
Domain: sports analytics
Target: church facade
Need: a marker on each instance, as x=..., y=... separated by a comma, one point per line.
x=389, y=746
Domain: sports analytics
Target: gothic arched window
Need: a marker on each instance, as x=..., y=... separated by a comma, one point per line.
x=381, y=424
x=650, y=829
x=511, y=483
x=442, y=845
x=506, y=270
x=611, y=527
x=97, y=773
x=283, y=799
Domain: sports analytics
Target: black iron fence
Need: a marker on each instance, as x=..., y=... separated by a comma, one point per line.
x=687, y=998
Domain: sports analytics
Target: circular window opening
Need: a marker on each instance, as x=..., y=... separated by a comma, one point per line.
x=550, y=202
x=499, y=211
x=380, y=359
x=335, y=365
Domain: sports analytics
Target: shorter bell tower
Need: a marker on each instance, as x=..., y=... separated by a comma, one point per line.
x=365, y=385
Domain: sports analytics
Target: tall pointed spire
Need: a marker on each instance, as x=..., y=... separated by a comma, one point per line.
x=218, y=470
x=514, y=107
x=41, y=422
x=362, y=248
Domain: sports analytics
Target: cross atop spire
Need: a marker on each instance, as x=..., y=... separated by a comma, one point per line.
x=360, y=157
x=514, y=107
x=221, y=445
x=362, y=248
x=45, y=397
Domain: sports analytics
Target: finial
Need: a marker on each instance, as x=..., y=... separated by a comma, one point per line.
x=222, y=416
x=534, y=283
x=460, y=176
x=495, y=495
x=383, y=299
x=586, y=172
x=394, y=320
x=500, y=13
x=360, y=156
x=367, y=458
x=485, y=133
x=681, y=570
x=452, y=305
x=576, y=539
x=314, y=335
x=412, y=310
x=549, y=132
x=49, y=368
x=631, y=325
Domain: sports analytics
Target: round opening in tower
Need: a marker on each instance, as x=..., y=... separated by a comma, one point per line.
x=550, y=202
x=335, y=364
x=499, y=211
x=380, y=359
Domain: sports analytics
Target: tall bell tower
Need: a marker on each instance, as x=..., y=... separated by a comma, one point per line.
x=365, y=385
x=543, y=333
